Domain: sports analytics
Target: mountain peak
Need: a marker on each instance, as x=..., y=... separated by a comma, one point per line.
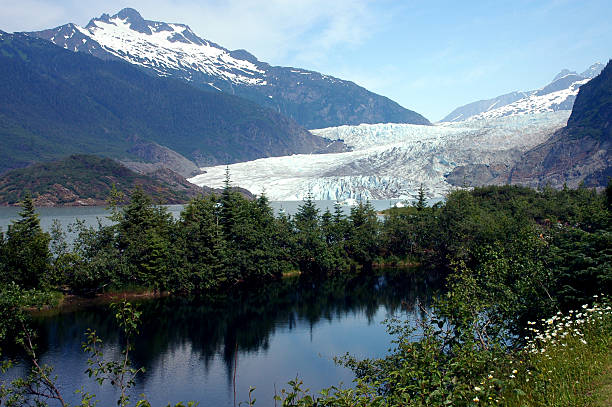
x=173, y=49
x=593, y=70
x=564, y=72
x=129, y=14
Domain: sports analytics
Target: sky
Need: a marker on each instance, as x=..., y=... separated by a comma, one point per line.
x=429, y=56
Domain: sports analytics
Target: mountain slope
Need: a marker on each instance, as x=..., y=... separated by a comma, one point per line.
x=87, y=180
x=312, y=99
x=55, y=102
x=580, y=152
x=557, y=95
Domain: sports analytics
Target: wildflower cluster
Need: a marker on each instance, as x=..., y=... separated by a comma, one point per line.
x=563, y=330
x=562, y=350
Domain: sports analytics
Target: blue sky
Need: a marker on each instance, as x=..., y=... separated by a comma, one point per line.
x=429, y=56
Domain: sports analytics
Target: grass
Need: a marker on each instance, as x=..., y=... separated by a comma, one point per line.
x=567, y=361
x=601, y=393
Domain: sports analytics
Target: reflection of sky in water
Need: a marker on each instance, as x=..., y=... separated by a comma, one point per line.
x=188, y=348
x=303, y=351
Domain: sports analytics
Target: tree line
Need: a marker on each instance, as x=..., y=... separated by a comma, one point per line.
x=220, y=241
x=516, y=259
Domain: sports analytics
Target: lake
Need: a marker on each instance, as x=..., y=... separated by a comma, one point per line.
x=191, y=348
x=91, y=215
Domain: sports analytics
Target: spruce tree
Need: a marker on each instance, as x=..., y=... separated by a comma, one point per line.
x=27, y=258
x=421, y=204
x=310, y=248
x=363, y=236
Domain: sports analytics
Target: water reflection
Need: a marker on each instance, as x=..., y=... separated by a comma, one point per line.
x=191, y=348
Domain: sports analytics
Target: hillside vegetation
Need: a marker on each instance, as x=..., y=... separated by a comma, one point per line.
x=89, y=180
x=54, y=102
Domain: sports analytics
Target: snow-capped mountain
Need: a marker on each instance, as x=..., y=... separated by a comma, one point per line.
x=167, y=49
x=557, y=95
x=312, y=99
x=390, y=160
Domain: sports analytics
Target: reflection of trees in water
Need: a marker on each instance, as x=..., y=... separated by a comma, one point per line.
x=244, y=322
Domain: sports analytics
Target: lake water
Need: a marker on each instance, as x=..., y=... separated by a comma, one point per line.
x=91, y=215
x=191, y=349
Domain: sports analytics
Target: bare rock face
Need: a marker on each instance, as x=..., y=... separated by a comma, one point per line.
x=479, y=174
x=155, y=157
x=580, y=152
x=564, y=160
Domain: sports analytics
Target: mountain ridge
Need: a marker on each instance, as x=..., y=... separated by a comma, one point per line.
x=56, y=102
x=559, y=94
x=579, y=152
x=169, y=49
x=85, y=180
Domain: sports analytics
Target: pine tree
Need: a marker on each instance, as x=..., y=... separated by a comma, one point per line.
x=27, y=259
x=362, y=244
x=310, y=249
x=421, y=204
x=144, y=233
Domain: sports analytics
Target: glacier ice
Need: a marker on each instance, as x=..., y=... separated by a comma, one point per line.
x=390, y=160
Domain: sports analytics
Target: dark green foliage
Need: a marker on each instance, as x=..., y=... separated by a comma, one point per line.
x=609, y=194
x=311, y=251
x=592, y=111
x=55, y=102
x=421, y=204
x=362, y=244
x=508, y=236
x=83, y=177
x=144, y=233
x=25, y=257
x=514, y=255
x=249, y=231
x=203, y=246
x=582, y=262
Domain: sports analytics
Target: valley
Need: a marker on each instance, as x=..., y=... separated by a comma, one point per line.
x=390, y=160
x=182, y=222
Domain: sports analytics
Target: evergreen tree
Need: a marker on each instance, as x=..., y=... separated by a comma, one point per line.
x=202, y=244
x=266, y=257
x=25, y=252
x=609, y=195
x=333, y=227
x=284, y=237
x=362, y=245
x=144, y=239
x=421, y=204
x=310, y=248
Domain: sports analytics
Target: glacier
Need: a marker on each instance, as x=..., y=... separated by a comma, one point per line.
x=390, y=161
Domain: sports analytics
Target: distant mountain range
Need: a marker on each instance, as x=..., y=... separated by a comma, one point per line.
x=394, y=160
x=557, y=95
x=55, y=102
x=312, y=99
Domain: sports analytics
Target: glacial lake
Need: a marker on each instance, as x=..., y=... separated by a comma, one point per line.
x=192, y=348
x=91, y=215
x=195, y=349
